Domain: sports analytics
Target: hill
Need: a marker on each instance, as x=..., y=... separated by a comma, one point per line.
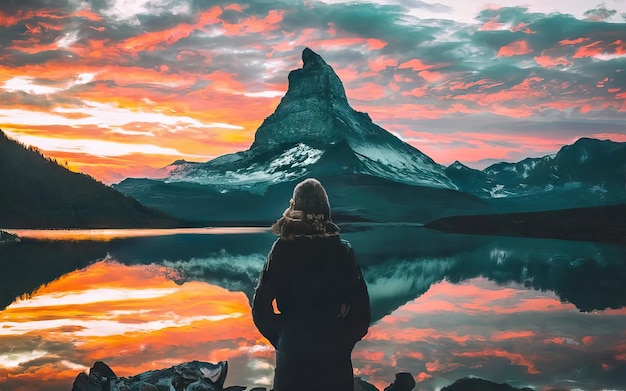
x=596, y=224
x=37, y=192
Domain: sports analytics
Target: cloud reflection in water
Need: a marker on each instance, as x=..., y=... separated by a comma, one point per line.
x=135, y=318
x=142, y=317
x=501, y=333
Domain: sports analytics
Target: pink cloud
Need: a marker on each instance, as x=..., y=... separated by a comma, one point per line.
x=163, y=38
x=369, y=91
x=459, y=85
x=492, y=25
x=254, y=25
x=573, y=41
x=514, y=358
x=512, y=334
x=415, y=64
x=343, y=42
x=431, y=77
x=514, y=49
x=552, y=62
x=523, y=27
x=379, y=64
x=591, y=50
x=617, y=137
x=234, y=7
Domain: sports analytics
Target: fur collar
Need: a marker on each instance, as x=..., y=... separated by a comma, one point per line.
x=296, y=224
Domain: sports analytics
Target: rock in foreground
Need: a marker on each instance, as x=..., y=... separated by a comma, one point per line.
x=204, y=376
x=190, y=376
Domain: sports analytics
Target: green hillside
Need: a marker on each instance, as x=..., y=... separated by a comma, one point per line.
x=37, y=192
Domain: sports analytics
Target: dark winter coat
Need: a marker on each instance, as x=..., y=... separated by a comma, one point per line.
x=322, y=310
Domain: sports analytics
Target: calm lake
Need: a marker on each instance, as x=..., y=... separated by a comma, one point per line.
x=529, y=312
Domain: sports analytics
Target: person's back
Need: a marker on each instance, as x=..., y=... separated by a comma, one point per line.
x=322, y=305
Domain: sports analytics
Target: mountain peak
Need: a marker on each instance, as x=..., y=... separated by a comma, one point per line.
x=312, y=59
x=309, y=109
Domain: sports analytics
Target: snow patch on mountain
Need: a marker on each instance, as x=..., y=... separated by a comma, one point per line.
x=255, y=177
x=498, y=191
x=299, y=156
x=390, y=162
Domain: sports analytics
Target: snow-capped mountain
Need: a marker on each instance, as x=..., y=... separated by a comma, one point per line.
x=589, y=170
x=368, y=172
x=303, y=134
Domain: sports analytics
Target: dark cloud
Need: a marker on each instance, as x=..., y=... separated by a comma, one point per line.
x=433, y=7
x=11, y=7
x=600, y=13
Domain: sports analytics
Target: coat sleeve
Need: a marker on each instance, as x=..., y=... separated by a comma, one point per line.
x=359, y=316
x=268, y=323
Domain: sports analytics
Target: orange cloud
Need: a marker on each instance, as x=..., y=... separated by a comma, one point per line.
x=415, y=64
x=514, y=358
x=514, y=49
x=88, y=14
x=591, y=50
x=573, y=41
x=513, y=334
x=254, y=25
x=163, y=38
x=552, y=62
x=343, y=42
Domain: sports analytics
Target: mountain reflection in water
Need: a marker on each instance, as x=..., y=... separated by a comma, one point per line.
x=529, y=312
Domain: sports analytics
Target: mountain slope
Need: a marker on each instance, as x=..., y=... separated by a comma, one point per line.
x=311, y=120
x=36, y=192
x=587, y=173
x=312, y=133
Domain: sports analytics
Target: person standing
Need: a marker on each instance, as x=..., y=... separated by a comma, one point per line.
x=311, y=301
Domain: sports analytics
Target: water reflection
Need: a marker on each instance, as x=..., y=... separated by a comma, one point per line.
x=136, y=318
x=529, y=312
x=110, y=234
x=503, y=333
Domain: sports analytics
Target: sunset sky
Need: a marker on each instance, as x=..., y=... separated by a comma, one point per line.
x=121, y=88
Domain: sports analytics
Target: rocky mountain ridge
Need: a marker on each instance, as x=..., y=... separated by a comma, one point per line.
x=597, y=167
x=588, y=173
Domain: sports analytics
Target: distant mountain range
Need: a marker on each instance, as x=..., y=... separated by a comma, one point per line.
x=37, y=192
x=369, y=173
x=588, y=172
